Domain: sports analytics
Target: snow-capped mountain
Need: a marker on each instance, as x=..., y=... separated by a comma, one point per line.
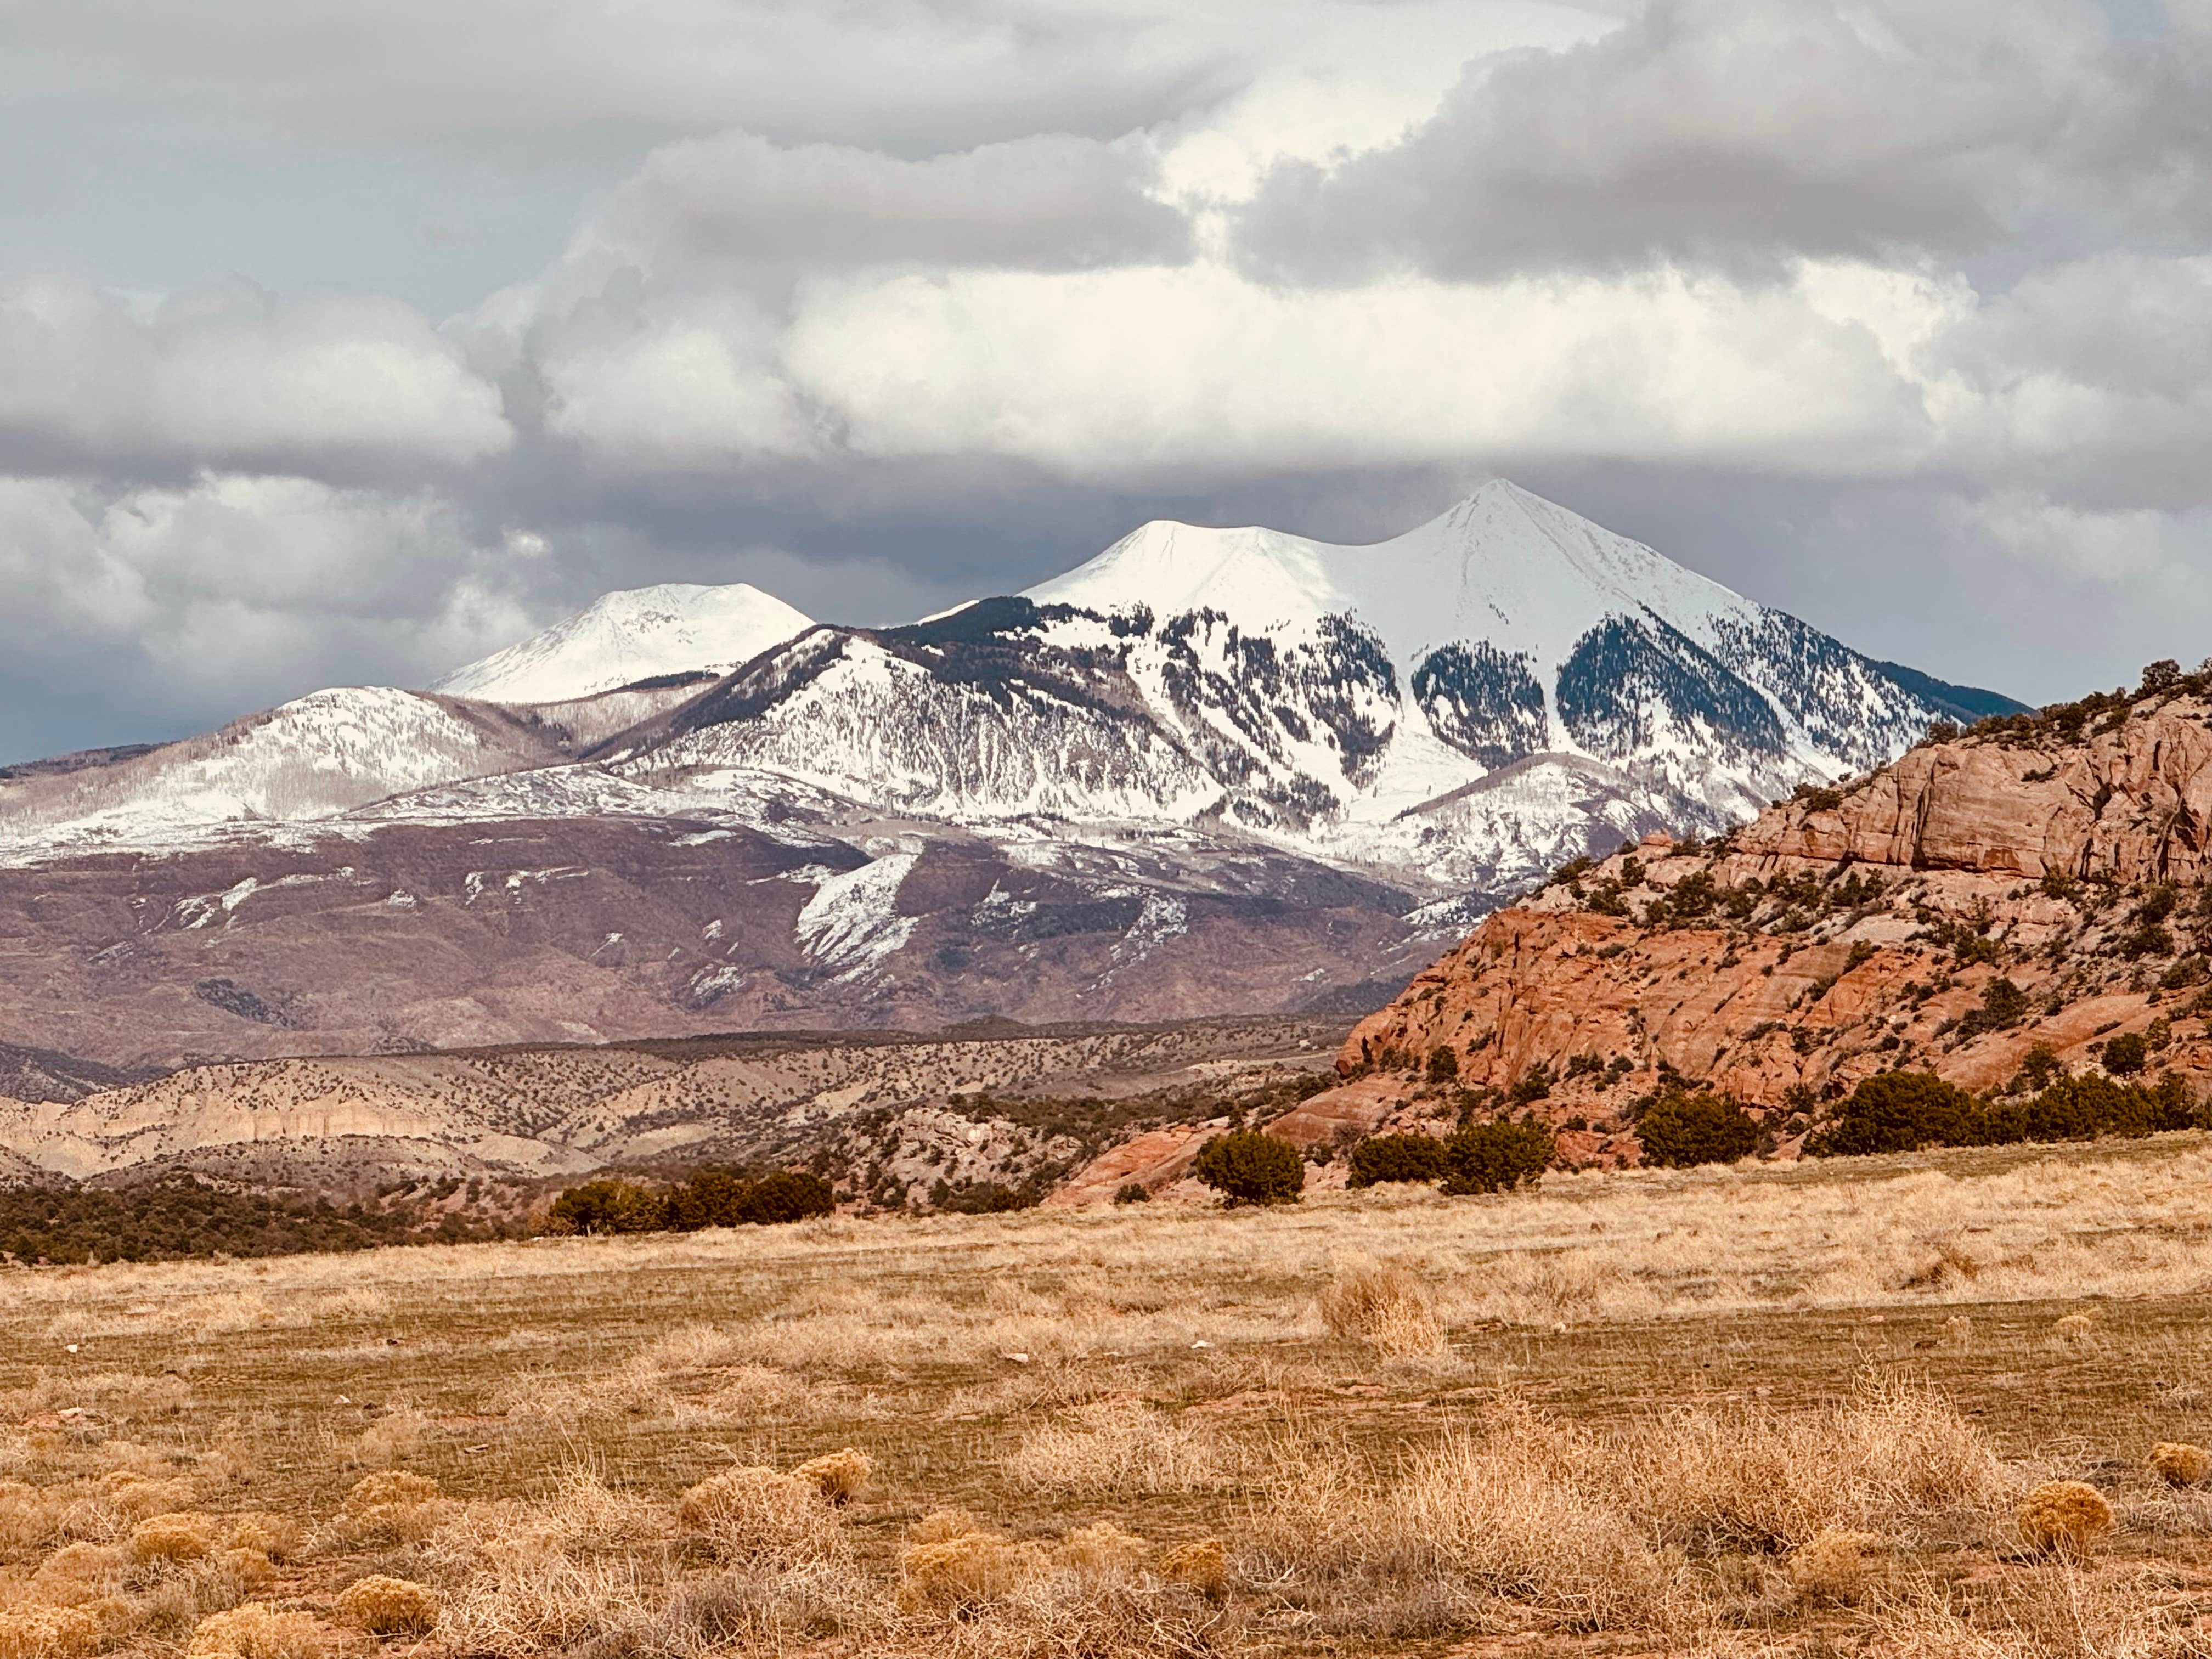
x=1474, y=701
x=639, y=633
x=1208, y=768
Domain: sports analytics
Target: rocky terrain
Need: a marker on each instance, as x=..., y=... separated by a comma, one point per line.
x=2026, y=898
x=1208, y=771
x=897, y=1118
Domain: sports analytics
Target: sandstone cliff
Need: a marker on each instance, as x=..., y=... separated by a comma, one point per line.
x=2038, y=884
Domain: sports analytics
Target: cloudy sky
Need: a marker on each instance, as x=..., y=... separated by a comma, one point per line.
x=343, y=343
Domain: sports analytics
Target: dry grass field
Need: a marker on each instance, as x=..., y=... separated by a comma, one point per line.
x=1793, y=1409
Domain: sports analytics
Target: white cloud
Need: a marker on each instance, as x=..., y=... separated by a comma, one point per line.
x=2143, y=547
x=343, y=385
x=1172, y=374
x=669, y=383
x=217, y=597
x=979, y=281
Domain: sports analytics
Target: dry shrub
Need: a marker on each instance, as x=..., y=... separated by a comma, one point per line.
x=2075, y=1328
x=1515, y=1513
x=749, y=1611
x=1767, y=1481
x=246, y=1571
x=396, y=1435
x=1203, y=1565
x=258, y=1631
x=582, y=1513
x=392, y=1506
x=1383, y=1305
x=389, y=1607
x=1099, y=1551
x=22, y=1517
x=355, y=1301
x=391, y=1488
x=755, y=1514
x=81, y=1572
x=1115, y=1448
x=2180, y=1464
x=102, y=1507
x=839, y=1476
x=274, y=1536
x=959, y=1574
x=940, y=1524
x=1833, y=1565
x=517, y=1591
x=28, y=1631
x=1475, y=1523
x=2064, y=1517
x=1595, y=1529
x=2060, y=1611
x=181, y=1536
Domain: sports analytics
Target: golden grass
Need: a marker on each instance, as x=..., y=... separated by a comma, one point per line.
x=1726, y=1411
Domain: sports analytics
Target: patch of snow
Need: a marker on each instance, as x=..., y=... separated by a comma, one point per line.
x=851, y=921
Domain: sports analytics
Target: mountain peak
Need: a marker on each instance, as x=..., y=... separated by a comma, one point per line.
x=631, y=635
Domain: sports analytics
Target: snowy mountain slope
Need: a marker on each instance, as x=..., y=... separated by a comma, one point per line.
x=1209, y=769
x=1473, y=702
x=950, y=719
x=313, y=758
x=638, y=634
x=1516, y=627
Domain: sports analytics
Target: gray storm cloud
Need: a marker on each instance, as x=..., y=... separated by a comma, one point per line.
x=1897, y=317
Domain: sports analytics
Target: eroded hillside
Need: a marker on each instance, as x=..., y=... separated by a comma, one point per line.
x=896, y=1118
x=2026, y=898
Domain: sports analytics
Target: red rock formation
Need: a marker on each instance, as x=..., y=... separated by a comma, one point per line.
x=1848, y=932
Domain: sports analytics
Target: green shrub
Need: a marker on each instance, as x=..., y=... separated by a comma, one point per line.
x=1443, y=1064
x=1535, y=1084
x=1494, y=1157
x=610, y=1205
x=185, y=1215
x=1133, y=1192
x=1904, y=1111
x=712, y=1198
x=1396, y=1157
x=2082, y=1108
x=1681, y=1130
x=2004, y=1005
x=2127, y=1053
x=1900, y=1112
x=787, y=1195
x=1248, y=1167
x=2171, y=1105
x=983, y=1198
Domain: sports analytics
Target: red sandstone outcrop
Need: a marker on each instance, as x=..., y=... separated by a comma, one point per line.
x=1845, y=932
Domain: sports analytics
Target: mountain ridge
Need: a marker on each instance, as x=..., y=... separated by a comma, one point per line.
x=1009, y=809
